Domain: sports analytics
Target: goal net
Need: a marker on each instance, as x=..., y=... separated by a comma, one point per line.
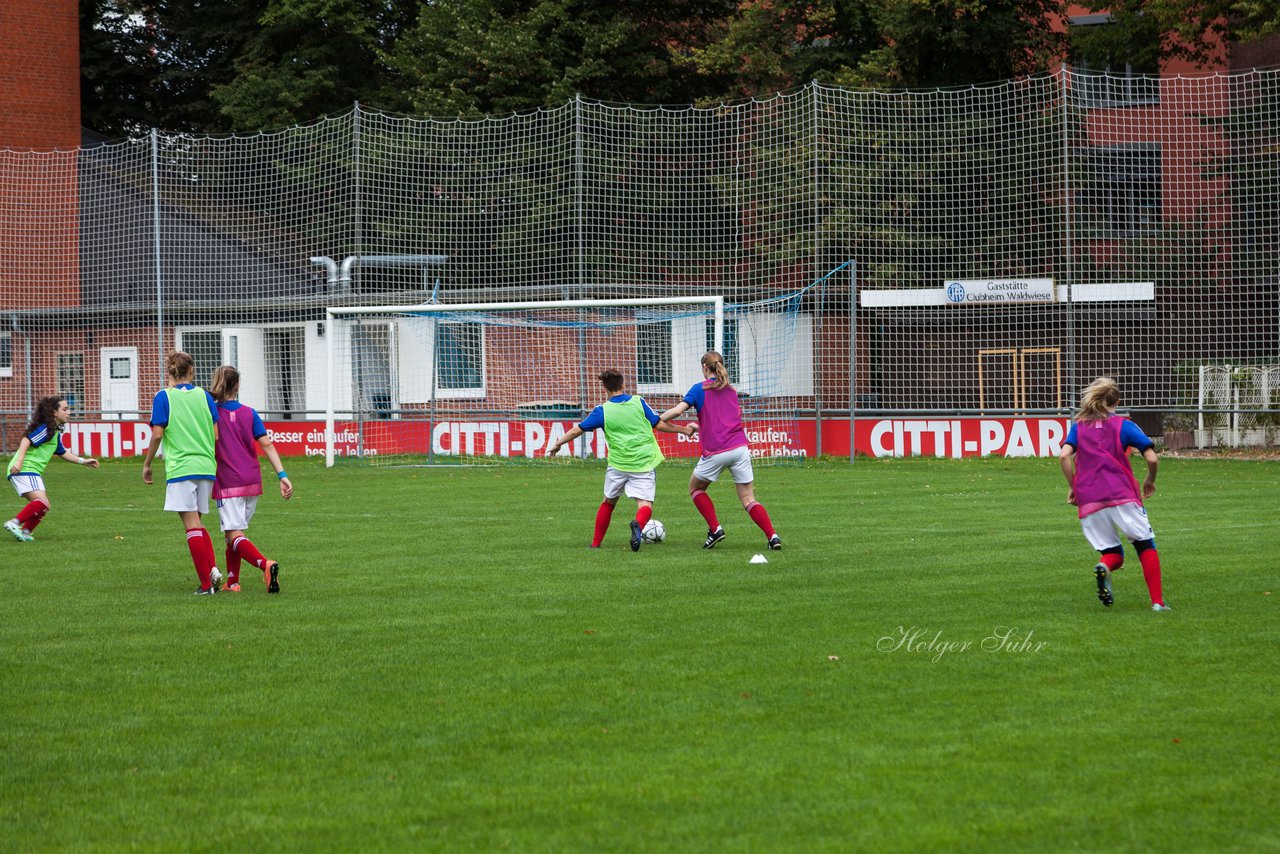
x=501, y=381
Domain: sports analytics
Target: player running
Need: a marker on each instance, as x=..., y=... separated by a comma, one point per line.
x=1095, y=461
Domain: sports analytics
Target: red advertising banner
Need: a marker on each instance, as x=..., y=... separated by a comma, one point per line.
x=874, y=437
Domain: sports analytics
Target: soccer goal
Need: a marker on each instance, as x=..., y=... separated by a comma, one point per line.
x=499, y=382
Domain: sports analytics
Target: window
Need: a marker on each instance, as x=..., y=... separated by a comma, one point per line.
x=71, y=377
x=1122, y=189
x=284, y=351
x=205, y=346
x=459, y=359
x=653, y=354
x=1116, y=61
x=6, y=354
x=371, y=367
x=730, y=351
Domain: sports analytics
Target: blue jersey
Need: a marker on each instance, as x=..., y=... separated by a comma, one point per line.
x=595, y=421
x=259, y=429
x=1131, y=436
x=160, y=407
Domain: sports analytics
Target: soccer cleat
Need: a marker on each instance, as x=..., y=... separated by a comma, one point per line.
x=775, y=543
x=233, y=587
x=271, y=576
x=205, y=591
x=635, y=535
x=1160, y=606
x=215, y=578
x=714, y=537
x=20, y=533
x=1103, y=575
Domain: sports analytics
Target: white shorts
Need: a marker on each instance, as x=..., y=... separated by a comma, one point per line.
x=1101, y=526
x=25, y=483
x=236, y=513
x=184, y=496
x=640, y=485
x=737, y=461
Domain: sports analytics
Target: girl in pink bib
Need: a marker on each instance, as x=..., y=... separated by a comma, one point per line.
x=1100, y=480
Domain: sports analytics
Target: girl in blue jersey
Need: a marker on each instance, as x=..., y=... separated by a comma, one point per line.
x=41, y=442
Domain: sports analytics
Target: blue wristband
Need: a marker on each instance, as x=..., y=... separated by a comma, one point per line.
x=282, y=475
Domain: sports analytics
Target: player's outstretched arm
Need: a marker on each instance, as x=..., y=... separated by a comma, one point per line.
x=572, y=433
x=685, y=429
x=79, y=460
x=675, y=411
x=269, y=451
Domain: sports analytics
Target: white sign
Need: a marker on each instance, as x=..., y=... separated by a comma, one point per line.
x=998, y=291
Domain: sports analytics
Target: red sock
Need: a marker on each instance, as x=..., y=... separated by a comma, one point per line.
x=196, y=539
x=209, y=554
x=702, y=502
x=1111, y=561
x=233, y=565
x=761, y=517
x=603, y=515
x=1151, y=572
x=643, y=515
x=32, y=514
x=249, y=552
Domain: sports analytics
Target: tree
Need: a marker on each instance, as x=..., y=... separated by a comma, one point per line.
x=472, y=57
x=1194, y=29
x=955, y=42
x=313, y=57
x=769, y=46
x=154, y=63
x=117, y=68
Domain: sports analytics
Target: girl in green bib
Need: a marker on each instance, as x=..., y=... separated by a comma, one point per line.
x=41, y=442
x=628, y=425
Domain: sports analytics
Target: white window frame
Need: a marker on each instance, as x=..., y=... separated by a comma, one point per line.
x=6, y=370
x=462, y=392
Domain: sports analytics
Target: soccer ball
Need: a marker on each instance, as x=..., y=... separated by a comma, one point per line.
x=654, y=532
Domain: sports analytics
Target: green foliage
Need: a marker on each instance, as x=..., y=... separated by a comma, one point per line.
x=253, y=64
x=959, y=41
x=485, y=56
x=449, y=668
x=952, y=203
x=154, y=63
x=312, y=57
x=1191, y=29
x=116, y=70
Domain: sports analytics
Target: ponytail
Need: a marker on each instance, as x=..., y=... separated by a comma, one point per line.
x=714, y=362
x=225, y=384
x=1097, y=399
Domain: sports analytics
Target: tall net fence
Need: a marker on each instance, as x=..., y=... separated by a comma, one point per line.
x=993, y=249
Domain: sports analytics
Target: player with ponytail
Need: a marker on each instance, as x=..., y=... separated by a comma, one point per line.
x=41, y=442
x=724, y=446
x=239, y=483
x=1100, y=480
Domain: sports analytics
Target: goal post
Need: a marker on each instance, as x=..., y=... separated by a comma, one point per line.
x=447, y=383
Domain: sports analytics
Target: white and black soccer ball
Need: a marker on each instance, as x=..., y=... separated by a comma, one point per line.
x=654, y=532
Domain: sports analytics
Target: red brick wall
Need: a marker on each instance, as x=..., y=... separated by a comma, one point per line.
x=39, y=74
x=39, y=201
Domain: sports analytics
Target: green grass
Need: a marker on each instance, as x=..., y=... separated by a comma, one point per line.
x=448, y=667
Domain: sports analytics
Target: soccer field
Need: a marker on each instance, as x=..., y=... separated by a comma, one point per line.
x=924, y=666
